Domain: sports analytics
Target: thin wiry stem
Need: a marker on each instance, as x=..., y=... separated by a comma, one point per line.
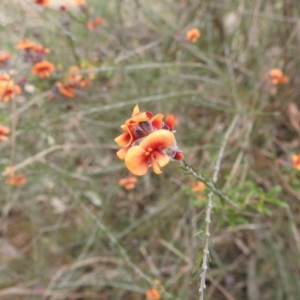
x=209, y=207
x=210, y=184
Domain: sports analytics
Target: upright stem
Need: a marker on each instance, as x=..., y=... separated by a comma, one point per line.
x=210, y=206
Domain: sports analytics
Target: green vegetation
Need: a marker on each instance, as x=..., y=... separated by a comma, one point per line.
x=72, y=232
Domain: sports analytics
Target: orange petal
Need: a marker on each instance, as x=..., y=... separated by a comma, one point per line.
x=157, y=121
x=136, y=110
x=171, y=120
x=136, y=161
x=123, y=139
x=137, y=118
x=158, y=139
x=158, y=160
x=122, y=153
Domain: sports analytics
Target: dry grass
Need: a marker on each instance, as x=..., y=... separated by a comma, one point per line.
x=71, y=232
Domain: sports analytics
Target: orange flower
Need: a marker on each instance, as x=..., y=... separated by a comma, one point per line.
x=43, y=69
x=97, y=21
x=26, y=45
x=92, y=24
x=296, y=161
x=8, y=88
x=65, y=90
x=16, y=180
x=198, y=186
x=4, y=57
x=150, y=151
x=193, y=35
x=152, y=294
x=143, y=131
x=76, y=79
x=73, y=80
x=29, y=45
x=42, y=2
x=128, y=183
x=4, y=131
x=278, y=77
x=40, y=49
x=79, y=2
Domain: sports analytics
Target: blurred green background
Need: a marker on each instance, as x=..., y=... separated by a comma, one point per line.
x=72, y=232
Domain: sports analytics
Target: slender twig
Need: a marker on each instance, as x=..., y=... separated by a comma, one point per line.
x=210, y=206
x=209, y=184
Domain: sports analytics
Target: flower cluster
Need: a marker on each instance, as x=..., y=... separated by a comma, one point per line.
x=72, y=82
x=147, y=141
x=34, y=53
x=277, y=77
x=12, y=178
x=91, y=25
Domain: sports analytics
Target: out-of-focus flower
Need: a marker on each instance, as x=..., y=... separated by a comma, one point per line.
x=98, y=21
x=198, y=186
x=42, y=2
x=153, y=294
x=73, y=81
x=40, y=49
x=65, y=90
x=277, y=77
x=12, y=178
x=193, y=35
x=8, y=88
x=4, y=57
x=79, y=2
x=128, y=182
x=26, y=45
x=4, y=131
x=43, y=69
x=296, y=161
x=152, y=150
x=76, y=79
x=16, y=180
x=92, y=24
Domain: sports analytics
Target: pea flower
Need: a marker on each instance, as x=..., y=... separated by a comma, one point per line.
x=8, y=88
x=296, y=161
x=277, y=77
x=4, y=57
x=128, y=182
x=153, y=294
x=193, y=35
x=147, y=141
x=43, y=69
